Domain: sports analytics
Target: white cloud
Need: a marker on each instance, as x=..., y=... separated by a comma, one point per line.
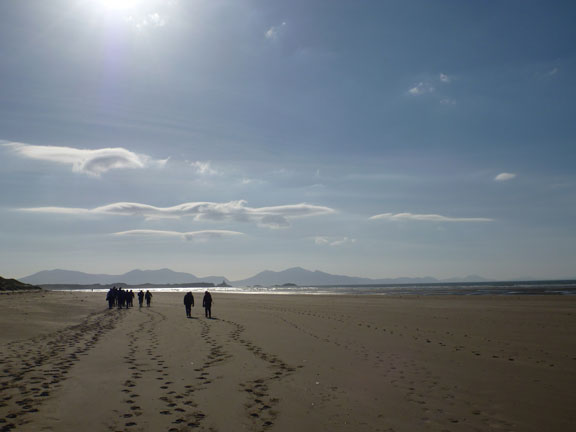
x=190, y=236
x=447, y=101
x=273, y=32
x=293, y=210
x=203, y=168
x=332, y=241
x=274, y=222
x=92, y=162
x=421, y=88
x=425, y=217
x=247, y=181
x=275, y=216
x=504, y=177
x=445, y=78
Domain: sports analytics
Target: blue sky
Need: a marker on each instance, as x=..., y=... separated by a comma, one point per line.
x=225, y=137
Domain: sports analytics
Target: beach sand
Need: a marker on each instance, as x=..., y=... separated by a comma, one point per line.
x=288, y=363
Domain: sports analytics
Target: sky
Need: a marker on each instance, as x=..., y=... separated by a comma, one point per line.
x=381, y=138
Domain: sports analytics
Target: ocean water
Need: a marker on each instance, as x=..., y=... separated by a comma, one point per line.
x=567, y=287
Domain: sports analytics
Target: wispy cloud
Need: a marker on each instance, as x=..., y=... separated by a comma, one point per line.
x=429, y=86
x=421, y=88
x=204, y=235
x=91, y=162
x=274, y=221
x=332, y=241
x=274, y=31
x=447, y=101
x=273, y=217
x=504, y=177
x=425, y=218
x=203, y=168
x=250, y=181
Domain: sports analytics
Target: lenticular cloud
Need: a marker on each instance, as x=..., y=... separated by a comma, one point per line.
x=272, y=217
x=91, y=162
x=504, y=177
x=204, y=235
x=425, y=218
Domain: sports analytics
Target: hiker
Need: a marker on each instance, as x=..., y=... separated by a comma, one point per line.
x=111, y=297
x=148, y=297
x=129, y=299
x=188, y=303
x=207, y=304
x=140, y=298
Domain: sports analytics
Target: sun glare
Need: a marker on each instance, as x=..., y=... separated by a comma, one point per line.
x=138, y=14
x=118, y=5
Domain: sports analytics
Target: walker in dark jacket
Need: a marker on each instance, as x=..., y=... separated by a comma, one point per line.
x=188, y=303
x=207, y=303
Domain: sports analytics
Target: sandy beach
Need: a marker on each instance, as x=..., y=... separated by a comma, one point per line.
x=288, y=363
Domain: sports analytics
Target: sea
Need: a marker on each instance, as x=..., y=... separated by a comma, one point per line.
x=556, y=287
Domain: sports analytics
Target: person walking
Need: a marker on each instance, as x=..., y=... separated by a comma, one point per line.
x=148, y=297
x=207, y=304
x=111, y=297
x=140, y=298
x=130, y=299
x=188, y=303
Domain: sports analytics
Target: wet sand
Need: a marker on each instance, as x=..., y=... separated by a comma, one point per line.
x=288, y=363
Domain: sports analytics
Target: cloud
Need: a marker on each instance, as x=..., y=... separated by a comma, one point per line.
x=275, y=216
x=204, y=235
x=332, y=241
x=421, y=88
x=293, y=210
x=203, y=168
x=247, y=181
x=425, y=218
x=274, y=222
x=504, y=177
x=433, y=85
x=273, y=32
x=91, y=162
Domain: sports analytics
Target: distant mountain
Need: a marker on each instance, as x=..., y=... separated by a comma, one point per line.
x=134, y=277
x=14, y=285
x=62, y=277
x=300, y=276
x=295, y=275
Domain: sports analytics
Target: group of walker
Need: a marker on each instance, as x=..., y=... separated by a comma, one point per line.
x=206, y=304
x=117, y=297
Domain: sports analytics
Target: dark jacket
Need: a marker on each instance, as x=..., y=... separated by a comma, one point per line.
x=189, y=299
x=207, y=301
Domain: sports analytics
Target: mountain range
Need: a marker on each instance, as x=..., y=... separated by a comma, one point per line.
x=134, y=277
x=295, y=275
